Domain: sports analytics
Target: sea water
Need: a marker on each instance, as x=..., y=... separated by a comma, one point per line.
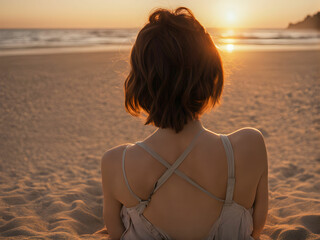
x=37, y=41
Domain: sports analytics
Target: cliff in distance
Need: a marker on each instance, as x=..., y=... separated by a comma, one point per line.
x=310, y=22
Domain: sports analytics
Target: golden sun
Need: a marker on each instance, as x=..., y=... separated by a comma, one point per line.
x=231, y=17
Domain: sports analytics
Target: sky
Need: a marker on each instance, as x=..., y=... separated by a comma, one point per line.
x=134, y=13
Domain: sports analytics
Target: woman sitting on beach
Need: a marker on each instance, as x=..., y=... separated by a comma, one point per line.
x=183, y=181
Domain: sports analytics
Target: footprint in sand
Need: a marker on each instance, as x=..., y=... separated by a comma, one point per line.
x=14, y=200
x=290, y=170
x=312, y=222
x=294, y=234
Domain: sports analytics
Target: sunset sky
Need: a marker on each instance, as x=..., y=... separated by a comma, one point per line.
x=133, y=13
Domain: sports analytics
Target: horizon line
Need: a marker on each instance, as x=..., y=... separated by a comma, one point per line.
x=85, y=28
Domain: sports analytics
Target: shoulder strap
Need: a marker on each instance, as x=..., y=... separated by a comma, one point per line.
x=125, y=176
x=231, y=179
x=153, y=154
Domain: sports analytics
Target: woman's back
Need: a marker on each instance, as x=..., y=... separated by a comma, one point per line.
x=178, y=208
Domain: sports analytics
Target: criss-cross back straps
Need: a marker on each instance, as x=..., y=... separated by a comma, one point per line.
x=165, y=176
x=177, y=171
x=230, y=158
x=173, y=168
x=231, y=179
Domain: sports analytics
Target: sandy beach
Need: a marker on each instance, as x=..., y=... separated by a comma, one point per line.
x=60, y=112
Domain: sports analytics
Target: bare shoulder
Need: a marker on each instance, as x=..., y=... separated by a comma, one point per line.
x=111, y=160
x=249, y=142
x=248, y=134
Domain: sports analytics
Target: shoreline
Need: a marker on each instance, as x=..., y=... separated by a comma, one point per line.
x=115, y=48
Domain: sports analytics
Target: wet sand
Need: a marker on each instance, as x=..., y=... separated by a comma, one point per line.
x=59, y=113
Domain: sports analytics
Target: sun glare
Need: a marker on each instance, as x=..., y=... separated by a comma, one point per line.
x=231, y=16
x=230, y=47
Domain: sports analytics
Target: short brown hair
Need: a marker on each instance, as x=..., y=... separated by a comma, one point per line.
x=176, y=71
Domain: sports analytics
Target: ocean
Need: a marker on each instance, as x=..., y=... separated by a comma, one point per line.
x=43, y=41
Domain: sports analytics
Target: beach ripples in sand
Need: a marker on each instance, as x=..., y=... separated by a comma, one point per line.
x=58, y=113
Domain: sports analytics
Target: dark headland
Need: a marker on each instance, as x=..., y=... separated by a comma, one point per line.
x=310, y=22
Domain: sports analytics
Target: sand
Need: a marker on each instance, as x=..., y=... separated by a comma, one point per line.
x=59, y=113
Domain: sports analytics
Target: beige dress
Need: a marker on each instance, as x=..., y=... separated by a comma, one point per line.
x=234, y=223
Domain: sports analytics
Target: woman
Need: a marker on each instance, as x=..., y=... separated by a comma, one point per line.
x=183, y=181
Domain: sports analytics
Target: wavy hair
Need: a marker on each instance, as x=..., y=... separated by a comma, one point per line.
x=176, y=72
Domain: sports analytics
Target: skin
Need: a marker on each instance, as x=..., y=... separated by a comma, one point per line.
x=178, y=208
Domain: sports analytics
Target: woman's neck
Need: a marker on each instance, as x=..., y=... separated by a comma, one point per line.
x=189, y=129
